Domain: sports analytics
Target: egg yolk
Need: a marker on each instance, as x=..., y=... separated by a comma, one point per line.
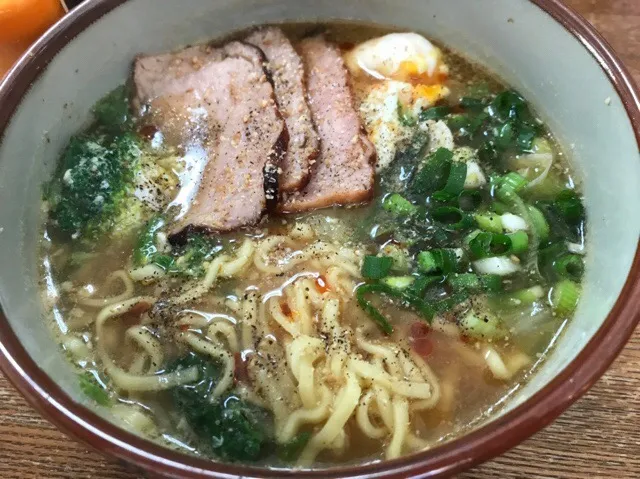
x=431, y=93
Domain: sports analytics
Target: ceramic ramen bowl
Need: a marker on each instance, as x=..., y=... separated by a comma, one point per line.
x=540, y=47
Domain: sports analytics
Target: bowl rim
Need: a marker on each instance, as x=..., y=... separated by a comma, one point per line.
x=471, y=449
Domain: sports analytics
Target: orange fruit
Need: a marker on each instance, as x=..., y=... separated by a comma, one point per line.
x=25, y=20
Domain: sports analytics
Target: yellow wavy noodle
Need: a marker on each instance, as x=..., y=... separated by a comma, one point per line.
x=86, y=299
x=124, y=379
x=150, y=356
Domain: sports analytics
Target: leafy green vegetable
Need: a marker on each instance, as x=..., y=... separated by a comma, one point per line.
x=230, y=427
x=290, y=451
x=184, y=260
x=145, y=249
x=93, y=186
x=112, y=110
x=90, y=386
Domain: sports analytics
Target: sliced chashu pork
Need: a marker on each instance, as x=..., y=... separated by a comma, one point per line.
x=287, y=71
x=221, y=101
x=343, y=172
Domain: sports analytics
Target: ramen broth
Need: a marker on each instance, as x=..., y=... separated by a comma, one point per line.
x=257, y=326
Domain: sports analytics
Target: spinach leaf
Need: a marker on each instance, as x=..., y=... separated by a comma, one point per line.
x=230, y=427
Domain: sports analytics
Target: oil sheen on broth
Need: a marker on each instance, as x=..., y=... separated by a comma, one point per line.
x=338, y=320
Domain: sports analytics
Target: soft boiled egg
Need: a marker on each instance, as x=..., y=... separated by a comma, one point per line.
x=395, y=77
x=406, y=57
x=382, y=110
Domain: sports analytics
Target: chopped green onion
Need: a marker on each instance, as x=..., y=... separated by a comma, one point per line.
x=489, y=222
x=526, y=134
x=454, y=218
x=505, y=136
x=442, y=260
x=457, y=177
x=512, y=183
x=398, y=205
x=433, y=175
x=569, y=204
x=508, y=104
x=491, y=282
x=485, y=245
x=519, y=242
x=469, y=200
x=371, y=310
x=464, y=282
x=499, y=208
x=435, y=113
x=480, y=324
x=564, y=297
x=471, y=103
x=421, y=283
x=427, y=262
x=398, y=282
x=524, y=297
x=538, y=222
x=376, y=267
x=569, y=266
x=418, y=304
x=399, y=255
x=475, y=283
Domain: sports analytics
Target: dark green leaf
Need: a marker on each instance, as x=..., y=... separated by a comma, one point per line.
x=434, y=113
x=376, y=267
x=290, y=451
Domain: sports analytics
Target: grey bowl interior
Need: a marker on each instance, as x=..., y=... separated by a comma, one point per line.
x=515, y=39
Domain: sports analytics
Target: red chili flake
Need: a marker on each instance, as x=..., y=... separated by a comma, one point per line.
x=420, y=343
x=465, y=339
x=286, y=310
x=184, y=327
x=423, y=346
x=240, y=371
x=132, y=317
x=321, y=284
x=419, y=329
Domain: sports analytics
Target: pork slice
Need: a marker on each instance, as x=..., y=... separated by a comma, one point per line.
x=343, y=173
x=287, y=71
x=221, y=101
